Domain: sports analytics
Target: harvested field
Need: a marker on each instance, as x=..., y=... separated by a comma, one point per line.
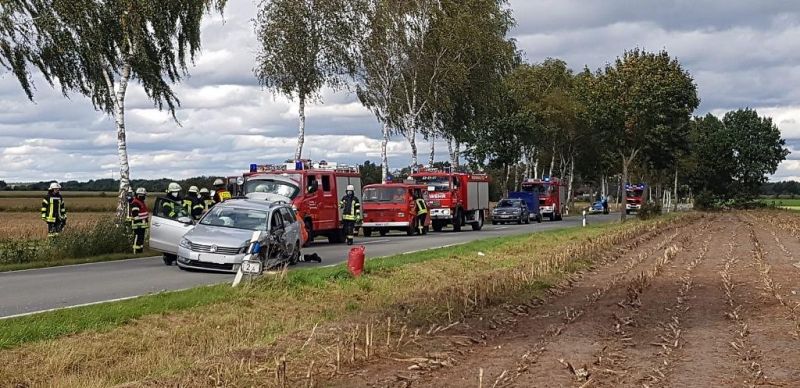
x=74, y=203
x=712, y=304
x=29, y=225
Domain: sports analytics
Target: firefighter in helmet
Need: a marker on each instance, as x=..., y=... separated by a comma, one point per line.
x=138, y=212
x=351, y=212
x=422, y=212
x=221, y=194
x=193, y=204
x=172, y=208
x=54, y=212
x=205, y=195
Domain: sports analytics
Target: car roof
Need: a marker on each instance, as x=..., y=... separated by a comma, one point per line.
x=252, y=204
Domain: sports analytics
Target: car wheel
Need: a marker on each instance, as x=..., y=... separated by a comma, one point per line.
x=168, y=259
x=457, y=221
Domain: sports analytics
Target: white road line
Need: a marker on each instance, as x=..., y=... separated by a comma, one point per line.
x=72, y=307
x=78, y=265
x=373, y=242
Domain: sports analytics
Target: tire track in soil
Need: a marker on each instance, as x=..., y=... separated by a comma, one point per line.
x=511, y=354
x=613, y=346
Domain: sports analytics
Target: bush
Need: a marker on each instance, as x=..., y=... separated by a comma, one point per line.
x=105, y=237
x=649, y=210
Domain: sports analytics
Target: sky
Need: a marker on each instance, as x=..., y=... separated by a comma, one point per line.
x=741, y=54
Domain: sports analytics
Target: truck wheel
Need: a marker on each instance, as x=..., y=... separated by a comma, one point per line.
x=478, y=225
x=528, y=219
x=457, y=221
x=559, y=217
x=552, y=216
x=367, y=232
x=494, y=222
x=437, y=226
x=627, y=211
x=383, y=232
x=539, y=219
x=336, y=237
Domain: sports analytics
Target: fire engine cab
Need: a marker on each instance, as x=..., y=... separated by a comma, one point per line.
x=455, y=198
x=391, y=206
x=314, y=190
x=552, y=196
x=633, y=197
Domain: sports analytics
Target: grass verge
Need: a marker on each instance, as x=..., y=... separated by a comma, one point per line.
x=217, y=335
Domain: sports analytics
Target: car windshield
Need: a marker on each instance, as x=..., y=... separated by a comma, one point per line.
x=439, y=183
x=508, y=203
x=383, y=194
x=237, y=218
x=271, y=186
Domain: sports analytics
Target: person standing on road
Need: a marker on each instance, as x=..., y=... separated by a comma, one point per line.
x=193, y=204
x=139, y=214
x=172, y=208
x=54, y=212
x=208, y=202
x=422, y=212
x=351, y=212
x=221, y=194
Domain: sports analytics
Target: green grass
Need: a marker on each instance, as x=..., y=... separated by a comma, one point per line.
x=85, y=260
x=102, y=317
x=49, y=325
x=782, y=202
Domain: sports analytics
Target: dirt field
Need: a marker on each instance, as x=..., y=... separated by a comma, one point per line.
x=712, y=304
x=29, y=225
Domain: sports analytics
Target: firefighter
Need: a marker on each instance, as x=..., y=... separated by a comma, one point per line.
x=193, y=204
x=139, y=214
x=208, y=202
x=221, y=194
x=422, y=212
x=54, y=212
x=351, y=212
x=172, y=209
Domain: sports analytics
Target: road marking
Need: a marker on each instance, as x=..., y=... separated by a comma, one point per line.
x=374, y=241
x=73, y=306
x=439, y=247
x=79, y=265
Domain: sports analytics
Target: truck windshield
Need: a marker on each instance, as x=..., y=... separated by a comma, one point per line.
x=633, y=193
x=231, y=217
x=271, y=186
x=383, y=194
x=439, y=183
x=538, y=189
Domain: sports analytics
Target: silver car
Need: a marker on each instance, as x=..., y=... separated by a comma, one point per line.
x=219, y=240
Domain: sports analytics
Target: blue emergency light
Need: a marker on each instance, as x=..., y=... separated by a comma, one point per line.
x=388, y=178
x=253, y=167
x=546, y=179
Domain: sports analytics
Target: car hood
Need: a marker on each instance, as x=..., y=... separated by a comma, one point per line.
x=219, y=236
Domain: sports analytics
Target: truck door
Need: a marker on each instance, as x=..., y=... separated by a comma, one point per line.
x=166, y=231
x=313, y=198
x=329, y=207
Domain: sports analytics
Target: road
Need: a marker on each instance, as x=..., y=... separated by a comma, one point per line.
x=30, y=291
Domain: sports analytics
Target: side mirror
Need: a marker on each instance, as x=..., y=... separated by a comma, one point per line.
x=185, y=220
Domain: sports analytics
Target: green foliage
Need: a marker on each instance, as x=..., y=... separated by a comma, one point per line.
x=105, y=237
x=733, y=156
x=649, y=210
x=370, y=173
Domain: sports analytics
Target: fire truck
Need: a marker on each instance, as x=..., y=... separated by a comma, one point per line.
x=455, y=198
x=633, y=197
x=552, y=196
x=314, y=189
x=391, y=206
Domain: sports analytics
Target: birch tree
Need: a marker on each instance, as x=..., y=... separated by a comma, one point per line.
x=305, y=45
x=96, y=48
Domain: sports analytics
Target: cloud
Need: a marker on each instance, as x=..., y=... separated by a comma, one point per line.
x=740, y=54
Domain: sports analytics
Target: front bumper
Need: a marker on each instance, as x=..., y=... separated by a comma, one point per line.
x=630, y=206
x=394, y=224
x=546, y=209
x=441, y=214
x=209, y=261
x=506, y=217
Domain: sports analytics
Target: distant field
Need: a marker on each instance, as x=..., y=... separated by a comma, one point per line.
x=29, y=225
x=76, y=202
x=782, y=202
x=68, y=194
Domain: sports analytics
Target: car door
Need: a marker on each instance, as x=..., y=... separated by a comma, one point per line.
x=291, y=230
x=166, y=232
x=277, y=231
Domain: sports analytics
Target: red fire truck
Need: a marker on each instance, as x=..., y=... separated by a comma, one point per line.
x=390, y=206
x=314, y=189
x=455, y=198
x=633, y=197
x=552, y=196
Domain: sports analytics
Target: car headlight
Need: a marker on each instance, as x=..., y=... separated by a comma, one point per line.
x=243, y=248
x=185, y=243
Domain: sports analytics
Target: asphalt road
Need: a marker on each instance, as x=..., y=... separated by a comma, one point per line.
x=30, y=291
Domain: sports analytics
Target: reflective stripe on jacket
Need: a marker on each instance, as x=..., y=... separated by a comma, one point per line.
x=53, y=208
x=351, y=207
x=422, y=207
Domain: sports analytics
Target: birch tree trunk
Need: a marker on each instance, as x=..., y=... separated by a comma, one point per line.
x=505, y=182
x=301, y=131
x=119, y=92
x=412, y=139
x=536, y=168
x=384, y=157
x=432, y=156
x=626, y=161
x=552, y=161
x=516, y=177
x=675, y=192
x=571, y=179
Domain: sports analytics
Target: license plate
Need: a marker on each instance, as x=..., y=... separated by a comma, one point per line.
x=251, y=267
